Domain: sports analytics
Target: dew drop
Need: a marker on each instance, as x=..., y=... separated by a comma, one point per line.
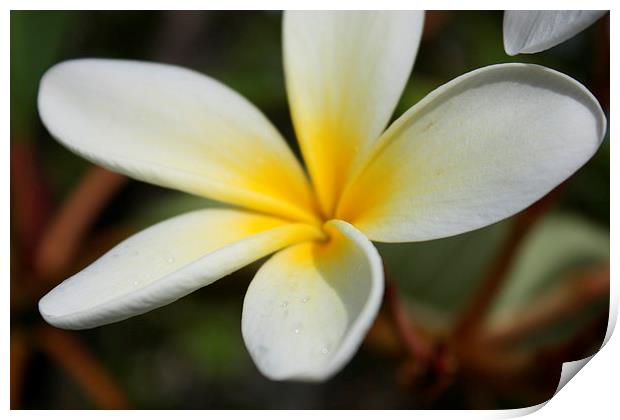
x=170, y=260
x=284, y=304
x=136, y=282
x=324, y=350
x=296, y=330
x=305, y=299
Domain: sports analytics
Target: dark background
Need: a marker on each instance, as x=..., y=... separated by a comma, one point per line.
x=502, y=307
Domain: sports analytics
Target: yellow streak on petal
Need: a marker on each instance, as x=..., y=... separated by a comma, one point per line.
x=168, y=261
x=374, y=185
x=309, y=307
x=344, y=71
x=329, y=151
x=331, y=249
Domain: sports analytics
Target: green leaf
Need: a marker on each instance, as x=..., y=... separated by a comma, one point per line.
x=213, y=342
x=166, y=205
x=558, y=245
x=36, y=40
x=437, y=278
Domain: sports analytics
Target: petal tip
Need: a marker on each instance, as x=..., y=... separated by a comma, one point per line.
x=510, y=50
x=47, y=313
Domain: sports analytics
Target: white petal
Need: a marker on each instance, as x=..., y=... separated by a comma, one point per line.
x=532, y=31
x=308, y=309
x=176, y=128
x=345, y=71
x=473, y=152
x=166, y=262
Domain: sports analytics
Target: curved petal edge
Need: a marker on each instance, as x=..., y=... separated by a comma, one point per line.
x=474, y=151
x=309, y=307
x=166, y=262
x=345, y=72
x=176, y=128
x=532, y=31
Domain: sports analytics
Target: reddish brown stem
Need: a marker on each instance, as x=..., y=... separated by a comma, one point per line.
x=20, y=353
x=412, y=339
x=474, y=314
x=30, y=198
x=67, y=351
x=555, y=306
x=61, y=240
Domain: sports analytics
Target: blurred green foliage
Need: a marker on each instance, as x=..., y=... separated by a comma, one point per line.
x=32, y=53
x=439, y=277
x=557, y=250
x=558, y=246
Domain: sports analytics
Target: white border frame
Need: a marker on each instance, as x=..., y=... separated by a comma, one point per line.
x=593, y=393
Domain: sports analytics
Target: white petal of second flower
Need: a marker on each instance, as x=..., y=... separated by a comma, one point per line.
x=166, y=262
x=309, y=307
x=532, y=31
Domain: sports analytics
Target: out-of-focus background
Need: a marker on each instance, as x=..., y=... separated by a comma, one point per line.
x=494, y=313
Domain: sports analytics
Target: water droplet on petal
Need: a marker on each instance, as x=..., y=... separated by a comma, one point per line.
x=170, y=260
x=305, y=299
x=284, y=304
x=324, y=350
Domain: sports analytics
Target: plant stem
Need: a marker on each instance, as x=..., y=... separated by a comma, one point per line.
x=414, y=342
x=67, y=351
x=473, y=316
x=30, y=199
x=20, y=355
x=61, y=239
x=581, y=291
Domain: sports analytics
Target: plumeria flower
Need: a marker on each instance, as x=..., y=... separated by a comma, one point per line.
x=532, y=31
x=476, y=150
